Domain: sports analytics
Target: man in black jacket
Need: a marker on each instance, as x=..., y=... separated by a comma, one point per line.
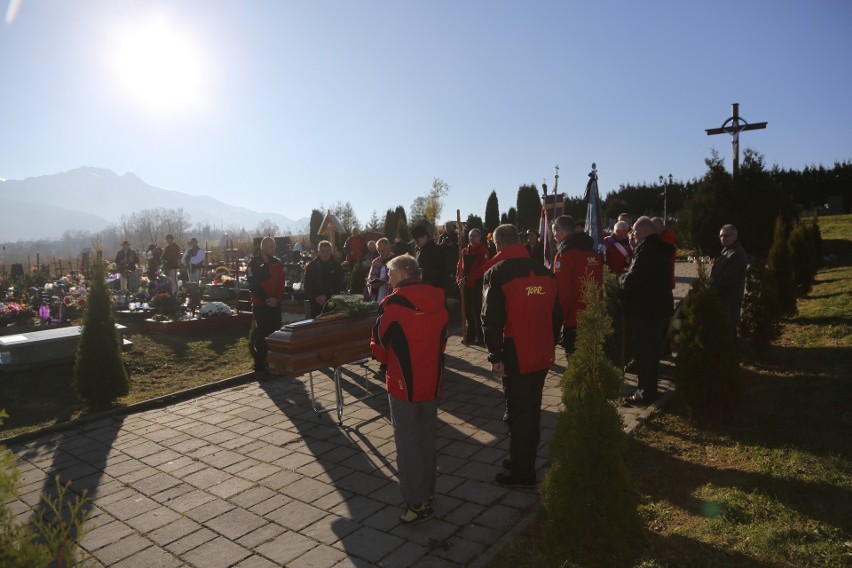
x=323, y=278
x=647, y=296
x=430, y=258
x=728, y=274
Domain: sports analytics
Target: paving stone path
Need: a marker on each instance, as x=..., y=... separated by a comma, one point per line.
x=250, y=476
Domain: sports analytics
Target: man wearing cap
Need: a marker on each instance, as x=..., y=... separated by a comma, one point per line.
x=171, y=261
x=126, y=261
x=193, y=260
x=266, y=280
x=429, y=256
x=534, y=246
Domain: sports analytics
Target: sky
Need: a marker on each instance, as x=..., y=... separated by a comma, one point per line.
x=285, y=106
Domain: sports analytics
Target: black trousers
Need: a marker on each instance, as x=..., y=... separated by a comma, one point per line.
x=266, y=320
x=523, y=406
x=646, y=345
x=473, y=313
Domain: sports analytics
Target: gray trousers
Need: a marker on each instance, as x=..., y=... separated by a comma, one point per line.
x=414, y=433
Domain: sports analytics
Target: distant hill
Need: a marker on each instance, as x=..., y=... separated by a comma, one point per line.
x=44, y=207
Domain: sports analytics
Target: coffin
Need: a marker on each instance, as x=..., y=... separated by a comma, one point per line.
x=310, y=345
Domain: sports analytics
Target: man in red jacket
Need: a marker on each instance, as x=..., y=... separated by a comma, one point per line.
x=267, y=285
x=617, y=249
x=521, y=318
x=574, y=263
x=409, y=338
x=469, y=272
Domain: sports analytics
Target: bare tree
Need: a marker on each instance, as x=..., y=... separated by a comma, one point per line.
x=267, y=228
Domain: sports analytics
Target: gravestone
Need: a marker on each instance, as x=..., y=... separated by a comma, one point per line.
x=36, y=348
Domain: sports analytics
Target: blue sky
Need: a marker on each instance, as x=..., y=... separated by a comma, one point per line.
x=282, y=106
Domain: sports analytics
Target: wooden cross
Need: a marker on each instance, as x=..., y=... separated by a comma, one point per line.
x=733, y=126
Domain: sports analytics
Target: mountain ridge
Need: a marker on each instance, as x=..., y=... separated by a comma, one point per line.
x=44, y=207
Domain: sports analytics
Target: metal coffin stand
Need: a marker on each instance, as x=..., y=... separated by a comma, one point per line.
x=329, y=341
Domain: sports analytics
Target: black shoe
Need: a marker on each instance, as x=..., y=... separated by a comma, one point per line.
x=414, y=515
x=507, y=480
x=630, y=367
x=639, y=398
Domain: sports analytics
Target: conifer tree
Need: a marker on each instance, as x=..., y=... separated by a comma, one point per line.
x=99, y=374
x=708, y=371
x=781, y=269
x=587, y=493
x=492, y=211
x=759, y=324
x=803, y=257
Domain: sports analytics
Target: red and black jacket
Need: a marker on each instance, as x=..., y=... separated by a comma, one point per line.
x=521, y=315
x=265, y=279
x=410, y=337
x=575, y=261
x=471, y=265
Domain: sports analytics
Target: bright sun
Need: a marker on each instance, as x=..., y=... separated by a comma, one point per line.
x=159, y=68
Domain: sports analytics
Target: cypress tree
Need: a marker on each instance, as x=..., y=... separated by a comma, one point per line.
x=587, y=493
x=781, y=269
x=759, y=324
x=492, y=211
x=708, y=371
x=99, y=374
x=528, y=204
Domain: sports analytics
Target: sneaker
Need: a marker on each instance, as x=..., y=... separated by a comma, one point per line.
x=414, y=515
x=639, y=398
x=507, y=480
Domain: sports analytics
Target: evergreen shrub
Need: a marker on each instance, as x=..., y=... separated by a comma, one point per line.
x=99, y=373
x=781, y=269
x=804, y=259
x=587, y=494
x=708, y=373
x=759, y=324
x=51, y=539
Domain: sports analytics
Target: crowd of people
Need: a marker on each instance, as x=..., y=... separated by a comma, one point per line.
x=517, y=304
x=158, y=260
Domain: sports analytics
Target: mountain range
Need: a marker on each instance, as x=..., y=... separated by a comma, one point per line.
x=92, y=199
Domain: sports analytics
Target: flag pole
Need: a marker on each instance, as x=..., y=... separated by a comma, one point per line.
x=461, y=286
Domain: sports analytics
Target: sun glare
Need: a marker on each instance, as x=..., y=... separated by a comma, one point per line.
x=159, y=68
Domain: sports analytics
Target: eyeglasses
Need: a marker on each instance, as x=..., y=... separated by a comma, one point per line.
x=725, y=235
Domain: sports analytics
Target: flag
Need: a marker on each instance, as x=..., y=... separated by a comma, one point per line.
x=594, y=223
x=552, y=207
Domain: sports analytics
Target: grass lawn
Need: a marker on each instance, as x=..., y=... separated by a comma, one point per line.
x=159, y=365
x=770, y=484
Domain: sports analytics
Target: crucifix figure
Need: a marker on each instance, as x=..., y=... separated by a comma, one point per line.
x=733, y=126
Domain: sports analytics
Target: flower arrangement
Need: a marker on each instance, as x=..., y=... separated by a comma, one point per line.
x=353, y=305
x=213, y=310
x=165, y=303
x=13, y=312
x=223, y=279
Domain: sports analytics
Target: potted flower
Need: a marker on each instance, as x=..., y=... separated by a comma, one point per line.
x=165, y=305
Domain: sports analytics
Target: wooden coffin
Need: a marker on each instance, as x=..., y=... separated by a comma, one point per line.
x=310, y=345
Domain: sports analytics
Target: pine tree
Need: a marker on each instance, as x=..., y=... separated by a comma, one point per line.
x=781, y=269
x=588, y=494
x=708, y=371
x=99, y=374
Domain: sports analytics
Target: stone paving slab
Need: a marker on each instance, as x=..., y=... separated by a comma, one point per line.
x=250, y=476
